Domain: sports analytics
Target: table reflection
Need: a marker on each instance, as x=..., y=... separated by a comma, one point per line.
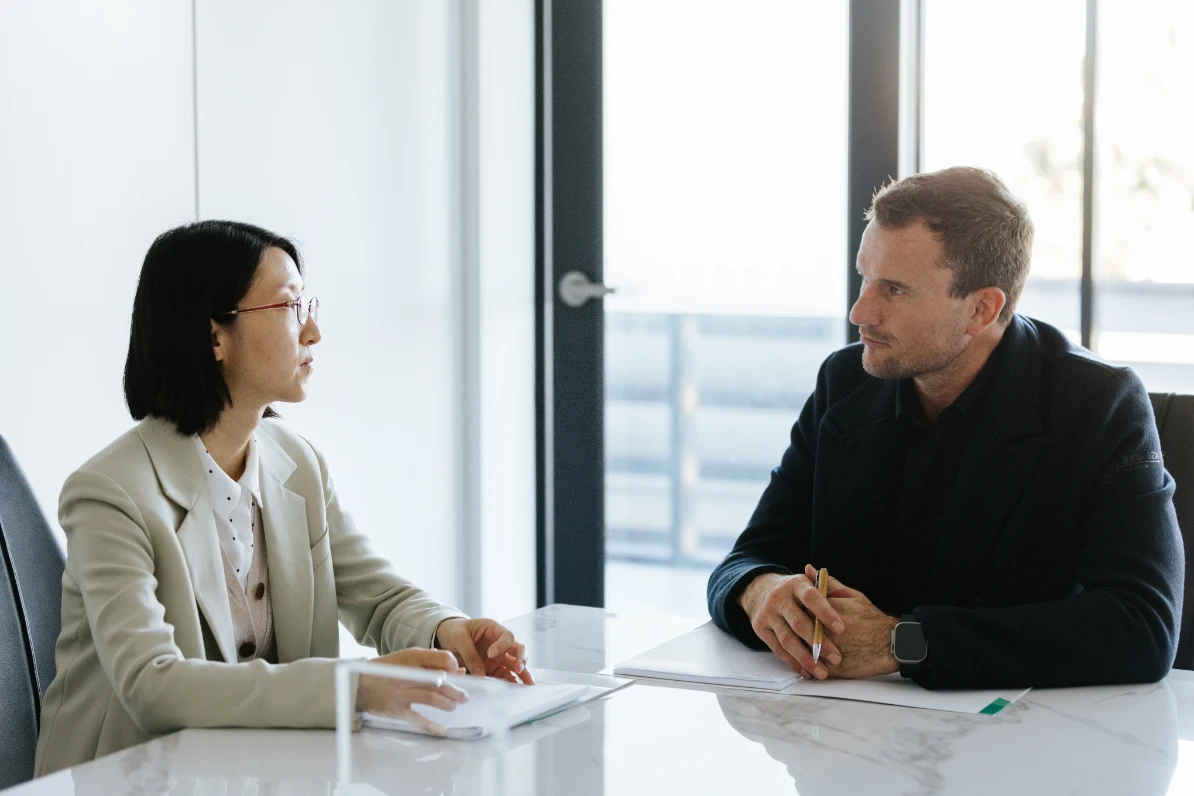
x=1096, y=740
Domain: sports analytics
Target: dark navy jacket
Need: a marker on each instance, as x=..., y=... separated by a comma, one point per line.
x=1065, y=559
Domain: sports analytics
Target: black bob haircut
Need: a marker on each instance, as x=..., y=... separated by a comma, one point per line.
x=190, y=274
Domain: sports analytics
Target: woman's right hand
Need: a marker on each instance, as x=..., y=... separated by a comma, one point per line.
x=394, y=697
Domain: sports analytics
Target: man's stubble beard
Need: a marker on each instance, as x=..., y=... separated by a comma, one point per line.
x=920, y=364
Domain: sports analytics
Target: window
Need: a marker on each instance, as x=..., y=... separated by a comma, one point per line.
x=1144, y=200
x=1010, y=100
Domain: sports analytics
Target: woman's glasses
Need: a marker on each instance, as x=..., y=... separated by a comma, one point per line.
x=302, y=310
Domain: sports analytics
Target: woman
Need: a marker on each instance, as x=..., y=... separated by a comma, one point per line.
x=208, y=556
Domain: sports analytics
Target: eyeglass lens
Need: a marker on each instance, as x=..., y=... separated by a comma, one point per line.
x=303, y=309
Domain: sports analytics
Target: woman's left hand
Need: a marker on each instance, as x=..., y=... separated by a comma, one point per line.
x=485, y=648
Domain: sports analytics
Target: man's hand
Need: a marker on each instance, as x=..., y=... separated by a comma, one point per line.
x=865, y=644
x=781, y=610
x=485, y=648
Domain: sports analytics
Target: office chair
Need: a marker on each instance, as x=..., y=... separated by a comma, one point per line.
x=1175, y=423
x=31, y=566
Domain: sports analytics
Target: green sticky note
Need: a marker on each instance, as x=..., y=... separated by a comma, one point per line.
x=994, y=707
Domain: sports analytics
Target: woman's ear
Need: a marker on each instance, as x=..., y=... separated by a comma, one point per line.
x=217, y=339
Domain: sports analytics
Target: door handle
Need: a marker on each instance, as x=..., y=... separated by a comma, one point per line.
x=576, y=289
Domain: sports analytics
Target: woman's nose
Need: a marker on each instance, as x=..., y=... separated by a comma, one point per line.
x=311, y=333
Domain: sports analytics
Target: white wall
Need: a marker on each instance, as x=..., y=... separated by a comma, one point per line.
x=339, y=125
x=507, y=293
x=96, y=159
x=330, y=123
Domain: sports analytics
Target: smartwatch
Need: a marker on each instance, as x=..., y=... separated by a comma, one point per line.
x=908, y=645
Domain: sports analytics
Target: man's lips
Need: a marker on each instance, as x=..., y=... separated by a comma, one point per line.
x=868, y=340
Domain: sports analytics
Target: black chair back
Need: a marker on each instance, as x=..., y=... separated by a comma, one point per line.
x=31, y=566
x=18, y=695
x=1175, y=423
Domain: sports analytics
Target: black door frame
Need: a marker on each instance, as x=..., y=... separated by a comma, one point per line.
x=570, y=388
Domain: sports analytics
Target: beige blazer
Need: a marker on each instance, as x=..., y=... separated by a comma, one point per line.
x=143, y=561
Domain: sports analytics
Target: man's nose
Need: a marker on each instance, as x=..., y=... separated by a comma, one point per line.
x=863, y=311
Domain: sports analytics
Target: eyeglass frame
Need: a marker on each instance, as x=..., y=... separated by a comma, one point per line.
x=296, y=303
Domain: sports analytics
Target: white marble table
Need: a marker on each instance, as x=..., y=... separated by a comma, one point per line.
x=652, y=739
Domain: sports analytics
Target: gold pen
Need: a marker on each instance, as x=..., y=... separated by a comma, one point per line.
x=818, y=630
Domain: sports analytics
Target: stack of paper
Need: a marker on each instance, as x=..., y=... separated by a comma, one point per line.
x=709, y=656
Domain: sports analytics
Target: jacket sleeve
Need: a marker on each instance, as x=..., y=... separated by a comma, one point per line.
x=381, y=609
x=778, y=537
x=111, y=560
x=1120, y=624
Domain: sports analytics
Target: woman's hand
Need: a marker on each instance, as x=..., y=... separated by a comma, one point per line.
x=485, y=648
x=394, y=697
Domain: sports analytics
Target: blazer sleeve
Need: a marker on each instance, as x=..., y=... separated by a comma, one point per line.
x=110, y=558
x=778, y=537
x=381, y=609
x=1121, y=623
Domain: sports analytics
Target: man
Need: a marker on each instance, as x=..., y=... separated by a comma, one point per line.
x=965, y=473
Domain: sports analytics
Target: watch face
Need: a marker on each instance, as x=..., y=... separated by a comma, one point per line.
x=910, y=645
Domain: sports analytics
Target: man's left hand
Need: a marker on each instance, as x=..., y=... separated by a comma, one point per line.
x=865, y=644
x=485, y=648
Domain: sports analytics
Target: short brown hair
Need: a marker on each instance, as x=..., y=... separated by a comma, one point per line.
x=985, y=229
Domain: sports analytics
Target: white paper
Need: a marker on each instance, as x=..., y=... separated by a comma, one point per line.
x=893, y=689
x=709, y=656
x=486, y=712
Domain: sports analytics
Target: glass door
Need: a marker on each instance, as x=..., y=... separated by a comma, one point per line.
x=697, y=167
x=724, y=236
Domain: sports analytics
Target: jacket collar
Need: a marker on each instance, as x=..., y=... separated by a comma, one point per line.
x=178, y=467
x=1010, y=403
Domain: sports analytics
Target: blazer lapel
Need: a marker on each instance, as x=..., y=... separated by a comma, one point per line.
x=1006, y=444
x=181, y=476
x=288, y=551
x=857, y=481
x=200, y=543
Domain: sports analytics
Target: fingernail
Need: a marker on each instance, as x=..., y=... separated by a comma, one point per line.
x=838, y=627
x=821, y=672
x=834, y=658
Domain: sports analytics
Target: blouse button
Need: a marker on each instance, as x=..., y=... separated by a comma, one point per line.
x=247, y=649
x=260, y=592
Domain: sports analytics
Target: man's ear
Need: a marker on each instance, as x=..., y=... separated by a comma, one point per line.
x=988, y=303
x=217, y=340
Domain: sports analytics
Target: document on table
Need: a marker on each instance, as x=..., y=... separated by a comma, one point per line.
x=496, y=707
x=709, y=656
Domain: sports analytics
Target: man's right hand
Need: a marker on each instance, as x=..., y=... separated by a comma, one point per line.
x=781, y=609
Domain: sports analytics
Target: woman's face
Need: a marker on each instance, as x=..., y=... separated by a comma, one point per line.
x=266, y=355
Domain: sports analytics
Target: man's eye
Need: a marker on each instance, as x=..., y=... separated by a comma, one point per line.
x=895, y=291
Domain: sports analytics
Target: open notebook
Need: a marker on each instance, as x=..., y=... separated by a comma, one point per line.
x=710, y=656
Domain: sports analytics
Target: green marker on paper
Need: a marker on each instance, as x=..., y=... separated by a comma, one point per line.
x=996, y=706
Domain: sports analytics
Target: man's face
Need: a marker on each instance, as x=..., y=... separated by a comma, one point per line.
x=910, y=324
